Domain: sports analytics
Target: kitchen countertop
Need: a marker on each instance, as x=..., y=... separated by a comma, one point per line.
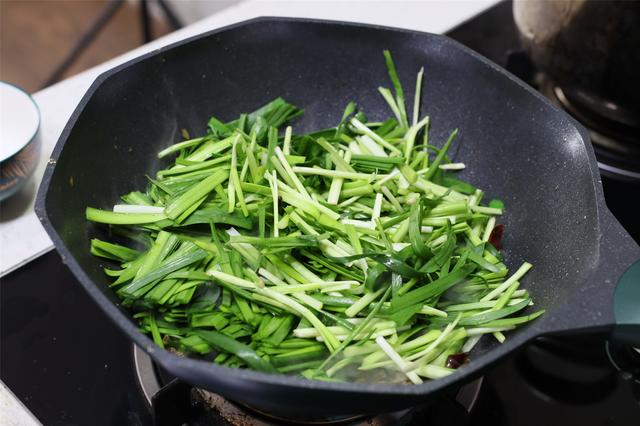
x=22, y=238
x=13, y=413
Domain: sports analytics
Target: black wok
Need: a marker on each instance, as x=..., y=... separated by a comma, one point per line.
x=516, y=146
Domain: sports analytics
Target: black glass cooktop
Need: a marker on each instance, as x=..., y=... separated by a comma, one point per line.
x=69, y=365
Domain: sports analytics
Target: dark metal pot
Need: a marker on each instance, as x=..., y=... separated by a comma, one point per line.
x=591, y=49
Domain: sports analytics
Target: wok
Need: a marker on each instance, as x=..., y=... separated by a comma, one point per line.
x=516, y=146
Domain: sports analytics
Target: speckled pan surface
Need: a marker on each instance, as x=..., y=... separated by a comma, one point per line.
x=515, y=144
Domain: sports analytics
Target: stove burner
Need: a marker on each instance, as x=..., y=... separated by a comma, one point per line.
x=175, y=403
x=617, y=144
x=571, y=370
x=615, y=133
x=243, y=414
x=626, y=359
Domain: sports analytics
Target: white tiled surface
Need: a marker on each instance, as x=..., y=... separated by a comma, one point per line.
x=12, y=412
x=22, y=238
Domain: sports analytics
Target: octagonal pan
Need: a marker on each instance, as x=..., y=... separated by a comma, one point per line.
x=516, y=146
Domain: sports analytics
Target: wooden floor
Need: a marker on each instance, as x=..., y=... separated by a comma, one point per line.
x=36, y=35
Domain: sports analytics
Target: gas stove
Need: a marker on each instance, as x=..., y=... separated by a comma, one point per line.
x=66, y=361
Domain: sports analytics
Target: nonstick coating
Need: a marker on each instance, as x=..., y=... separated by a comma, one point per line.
x=515, y=144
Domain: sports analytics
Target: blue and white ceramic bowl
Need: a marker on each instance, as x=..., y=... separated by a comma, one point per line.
x=19, y=138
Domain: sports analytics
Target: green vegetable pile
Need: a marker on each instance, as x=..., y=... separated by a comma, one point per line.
x=350, y=253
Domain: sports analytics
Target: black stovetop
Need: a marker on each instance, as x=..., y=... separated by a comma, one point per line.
x=66, y=361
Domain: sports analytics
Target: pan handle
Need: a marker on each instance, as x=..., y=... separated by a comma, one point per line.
x=626, y=306
x=618, y=252
x=614, y=303
x=609, y=298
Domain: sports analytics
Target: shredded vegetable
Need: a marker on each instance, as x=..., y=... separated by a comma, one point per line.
x=351, y=253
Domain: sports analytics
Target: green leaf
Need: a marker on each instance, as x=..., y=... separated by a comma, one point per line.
x=433, y=167
x=180, y=204
x=232, y=346
x=397, y=86
x=112, y=218
x=113, y=251
x=431, y=289
x=415, y=232
x=192, y=255
x=401, y=316
x=496, y=204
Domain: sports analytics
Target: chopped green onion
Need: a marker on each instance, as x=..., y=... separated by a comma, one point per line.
x=334, y=255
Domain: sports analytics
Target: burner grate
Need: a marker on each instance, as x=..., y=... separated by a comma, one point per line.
x=175, y=403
